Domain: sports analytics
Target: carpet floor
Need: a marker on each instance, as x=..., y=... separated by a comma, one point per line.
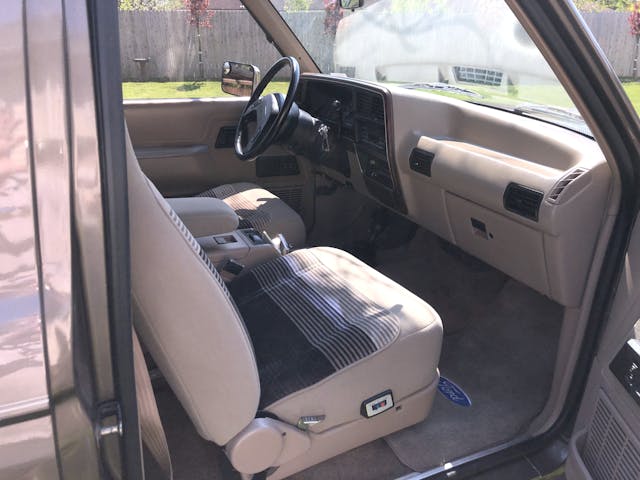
x=500, y=346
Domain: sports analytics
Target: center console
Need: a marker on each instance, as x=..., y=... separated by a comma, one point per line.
x=237, y=251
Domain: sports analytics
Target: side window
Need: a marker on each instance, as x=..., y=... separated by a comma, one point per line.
x=176, y=48
x=615, y=24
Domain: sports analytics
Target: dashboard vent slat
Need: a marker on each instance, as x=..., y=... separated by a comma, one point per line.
x=522, y=200
x=420, y=161
x=564, y=182
x=370, y=105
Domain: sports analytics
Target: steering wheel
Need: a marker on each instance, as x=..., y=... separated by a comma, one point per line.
x=264, y=117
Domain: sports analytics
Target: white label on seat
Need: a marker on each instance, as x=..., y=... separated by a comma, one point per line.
x=379, y=405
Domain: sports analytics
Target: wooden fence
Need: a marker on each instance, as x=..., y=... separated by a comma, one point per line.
x=611, y=30
x=163, y=46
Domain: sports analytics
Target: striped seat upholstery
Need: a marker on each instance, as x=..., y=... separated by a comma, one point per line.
x=231, y=194
x=313, y=333
x=306, y=323
x=258, y=208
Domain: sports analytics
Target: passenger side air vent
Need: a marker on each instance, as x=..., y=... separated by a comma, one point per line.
x=564, y=182
x=610, y=451
x=522, y=200
x=370, y=105
x=420, y=161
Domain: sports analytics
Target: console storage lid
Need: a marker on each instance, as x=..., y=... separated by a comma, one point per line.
x=205, y=215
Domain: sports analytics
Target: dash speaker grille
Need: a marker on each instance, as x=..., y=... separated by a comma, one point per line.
x=610, y=451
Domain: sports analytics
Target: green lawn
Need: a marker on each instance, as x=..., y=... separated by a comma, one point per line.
x=132, y=90
x=633, y=90
x=537, y=94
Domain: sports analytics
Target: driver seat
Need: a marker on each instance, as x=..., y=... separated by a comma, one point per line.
x=298, y=360
x=260, y=209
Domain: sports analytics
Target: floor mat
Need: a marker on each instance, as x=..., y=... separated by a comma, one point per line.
x=374, y=461
x=458, y=286
x=503, y=360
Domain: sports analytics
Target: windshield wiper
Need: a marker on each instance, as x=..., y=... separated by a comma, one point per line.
x=441, y=87
x=563, y=116
x=534, y=108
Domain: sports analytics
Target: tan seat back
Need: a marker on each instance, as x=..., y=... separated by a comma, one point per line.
x=186, y=318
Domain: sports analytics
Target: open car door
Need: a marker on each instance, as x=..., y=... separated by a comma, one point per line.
x=606, y=440
x=604, y=396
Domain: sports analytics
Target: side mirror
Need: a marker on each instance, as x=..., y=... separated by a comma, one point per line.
x=351, y=4
x=239, y=78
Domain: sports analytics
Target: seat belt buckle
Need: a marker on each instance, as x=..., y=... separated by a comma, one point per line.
x=232, y=267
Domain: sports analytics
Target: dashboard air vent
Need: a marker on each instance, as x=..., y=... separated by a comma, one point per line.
x=522, y=200
x=372, y=134
x=557, y=190
x=420, y=161
x=370, y=105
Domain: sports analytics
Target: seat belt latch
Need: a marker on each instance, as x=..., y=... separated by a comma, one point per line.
x=109, y=419
x=232, y=267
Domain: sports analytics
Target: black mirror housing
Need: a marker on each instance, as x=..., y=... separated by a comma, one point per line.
x=239, y=79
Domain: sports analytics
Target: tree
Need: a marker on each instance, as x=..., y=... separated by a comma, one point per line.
x=601, y=5
x=333, y=15
x=148, y=5
x=297, y=5
x=199, y=16
x=634, y=26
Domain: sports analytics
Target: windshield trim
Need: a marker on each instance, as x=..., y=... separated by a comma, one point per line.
x=300, y=52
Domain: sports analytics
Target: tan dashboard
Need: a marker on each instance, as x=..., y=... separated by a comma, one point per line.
x=524, y=196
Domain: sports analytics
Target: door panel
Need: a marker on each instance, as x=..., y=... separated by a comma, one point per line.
x=176, y=140
x=606, y=439
x=180, y=146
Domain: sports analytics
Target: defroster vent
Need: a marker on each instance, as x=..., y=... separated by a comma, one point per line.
x=564, y=182
x=522, y=200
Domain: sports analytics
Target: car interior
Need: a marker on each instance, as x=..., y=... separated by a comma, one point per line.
x=355, y=279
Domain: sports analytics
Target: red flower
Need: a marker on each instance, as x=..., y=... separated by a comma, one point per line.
x=634, y=19
x=199, y=13
x=333, y=15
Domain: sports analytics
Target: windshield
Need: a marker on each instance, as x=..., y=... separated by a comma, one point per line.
x=475, y=51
